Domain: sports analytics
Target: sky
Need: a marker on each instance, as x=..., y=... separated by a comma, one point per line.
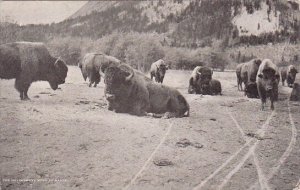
x=38, y=12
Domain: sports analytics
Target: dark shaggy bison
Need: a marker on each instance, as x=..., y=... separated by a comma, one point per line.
x=248, y=76
x=267, y=82
x=158, y=70
x=93, y=64
x=215, y=87
x=295, y=94
x=28, y=62
x=199, y=80
x=239, y=76
x=129, y=91
x=289, y=74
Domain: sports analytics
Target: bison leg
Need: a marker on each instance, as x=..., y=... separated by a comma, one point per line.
x=161, y=79
x=282, y=82
x=240, y=85
x=272, y=97
x=90, y=84
x=25, y=95
x=97, y=79
x=91, y=79
x=272, y=105
x=20, y=87
x=263, y=102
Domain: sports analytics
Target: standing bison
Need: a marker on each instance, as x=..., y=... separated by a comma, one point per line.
x=158, y=70
x=248, y=75
x=199, y=82
x=239, y=76
x=267, y=82
x=129, y=91
x=295, y=94
x=28, y=62
x=289, y=74
x=92, y=64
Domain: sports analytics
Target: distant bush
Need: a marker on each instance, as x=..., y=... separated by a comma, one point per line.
x=69, y=48
x=139, y=50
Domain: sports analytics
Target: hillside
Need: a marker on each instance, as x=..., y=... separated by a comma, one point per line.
x=191, y=21
x=184, y=23
x=91, y=6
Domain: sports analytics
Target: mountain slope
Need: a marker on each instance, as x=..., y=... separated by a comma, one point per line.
x=187, y=21
x=184, y=23
x=91, y=6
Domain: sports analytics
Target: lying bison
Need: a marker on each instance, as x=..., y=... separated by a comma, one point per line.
x=289, y=74
x=28, y=62
x=92, y=64
x=267, y=82
x=248, y=76
x=129, y=91
x=199, y=80
x=158, y=70
x=239, y=76
x=215, y=87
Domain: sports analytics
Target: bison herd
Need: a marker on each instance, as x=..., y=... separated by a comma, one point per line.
x=128, y=90
x=261, y=79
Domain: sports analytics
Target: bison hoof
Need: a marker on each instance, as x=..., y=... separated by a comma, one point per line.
x=26, y=99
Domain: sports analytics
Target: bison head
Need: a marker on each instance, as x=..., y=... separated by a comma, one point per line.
x=269, y=79
x=58, y=74
x=291, y=75
x=118, y=82
x=205, y=74
x=161, y=69
x=251, y=90
x=257, y=62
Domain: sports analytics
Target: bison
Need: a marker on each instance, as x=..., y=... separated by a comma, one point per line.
x=215, y=87
x=239, y=76
x=28, y=62
x=158, y=70
x=267, y=82
x=295, y=94
x=199, y=80
x=248, y=76
x=130, y=91
x=93, y=64
x=289, y=74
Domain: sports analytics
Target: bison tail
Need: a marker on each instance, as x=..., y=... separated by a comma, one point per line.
x=186, y=106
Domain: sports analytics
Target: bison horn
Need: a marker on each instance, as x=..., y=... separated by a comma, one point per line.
x=128, y=78
x=57, y=60
x=198, y=72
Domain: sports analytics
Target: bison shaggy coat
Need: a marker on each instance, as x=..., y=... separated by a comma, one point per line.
x=28, y=62
x=267, y=82
x=289, y=74
x=93, y=64
x=130, y=91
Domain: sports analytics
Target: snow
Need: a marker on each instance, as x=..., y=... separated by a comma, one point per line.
x=247, y=24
